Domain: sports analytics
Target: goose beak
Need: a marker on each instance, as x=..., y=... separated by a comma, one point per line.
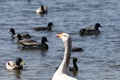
x=8, y=30
x=59, y=35
x=22, y=63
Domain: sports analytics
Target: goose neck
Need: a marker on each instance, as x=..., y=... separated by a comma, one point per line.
x=13, y=32
x=19, y=38
x=67, y=53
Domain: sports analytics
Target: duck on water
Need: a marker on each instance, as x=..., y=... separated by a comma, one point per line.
x=32, y=44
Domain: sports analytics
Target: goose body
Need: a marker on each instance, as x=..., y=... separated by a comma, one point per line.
x=90, y=31
x=62, y=72
x=11, y=65
x=74, y=69
x=48, y=27
x=23, y=35
x=42, y=9
x=32, y=44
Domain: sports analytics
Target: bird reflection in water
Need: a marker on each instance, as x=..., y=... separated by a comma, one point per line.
x=17, y=73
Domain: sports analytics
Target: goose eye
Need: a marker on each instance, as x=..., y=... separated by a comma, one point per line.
x=64, y=35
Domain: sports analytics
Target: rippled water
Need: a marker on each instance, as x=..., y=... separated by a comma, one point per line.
x=100, y=59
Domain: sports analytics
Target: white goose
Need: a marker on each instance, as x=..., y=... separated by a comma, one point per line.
x=62, y=72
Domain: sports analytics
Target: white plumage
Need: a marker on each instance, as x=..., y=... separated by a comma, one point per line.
x=62, y=72
x=42, y=9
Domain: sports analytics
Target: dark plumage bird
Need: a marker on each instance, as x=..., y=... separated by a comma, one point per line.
x=77, y=49
x=90, y=31
x=48, y=27
x=24, y=35
x=11, y=65
x=31, y=44
x=42, y=9
x=74, y=69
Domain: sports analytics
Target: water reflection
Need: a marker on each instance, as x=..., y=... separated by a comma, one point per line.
x=67, y=17
x=16, y=73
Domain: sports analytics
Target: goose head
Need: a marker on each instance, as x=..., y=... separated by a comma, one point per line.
x=12, y=31
x=63, y=36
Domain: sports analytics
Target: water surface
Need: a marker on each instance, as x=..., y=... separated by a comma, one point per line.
x=100, y=59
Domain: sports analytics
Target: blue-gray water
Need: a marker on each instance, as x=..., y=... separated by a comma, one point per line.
x=100, y=59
